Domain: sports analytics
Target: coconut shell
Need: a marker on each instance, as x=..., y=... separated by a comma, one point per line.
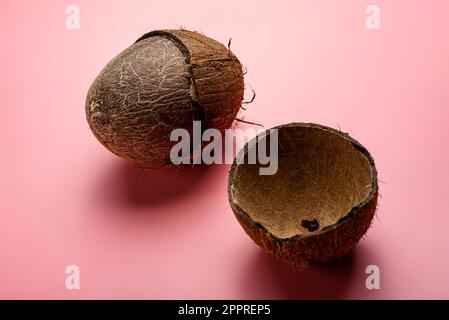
x=164, y=81
x=318, y=204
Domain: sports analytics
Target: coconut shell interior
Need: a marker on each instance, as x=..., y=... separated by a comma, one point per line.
x=322, y=175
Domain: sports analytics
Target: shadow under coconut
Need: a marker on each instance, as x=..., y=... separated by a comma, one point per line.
x=271, y=278
x=128, y=186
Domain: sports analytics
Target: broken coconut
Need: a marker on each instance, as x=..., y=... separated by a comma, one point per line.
x=318, y=204
x=164, y=81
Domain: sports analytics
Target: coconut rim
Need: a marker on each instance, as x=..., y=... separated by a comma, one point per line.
x=354, y=210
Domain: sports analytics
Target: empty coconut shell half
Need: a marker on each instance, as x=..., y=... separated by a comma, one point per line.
x=318, y=204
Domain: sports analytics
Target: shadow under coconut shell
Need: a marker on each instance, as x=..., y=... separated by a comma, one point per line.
x=271, y=278
x=128, y=186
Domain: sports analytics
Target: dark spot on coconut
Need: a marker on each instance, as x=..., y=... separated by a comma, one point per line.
x=311, y=225
x=200, y=115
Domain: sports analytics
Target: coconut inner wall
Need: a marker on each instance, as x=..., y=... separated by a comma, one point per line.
x=320, y=176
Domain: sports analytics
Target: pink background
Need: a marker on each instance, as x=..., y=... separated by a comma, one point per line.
x=66, y=200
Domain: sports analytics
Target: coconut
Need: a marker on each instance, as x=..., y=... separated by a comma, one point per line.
x=318, y=204
x=164, y=81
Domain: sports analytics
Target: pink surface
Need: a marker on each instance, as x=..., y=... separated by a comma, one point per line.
x=66, y=200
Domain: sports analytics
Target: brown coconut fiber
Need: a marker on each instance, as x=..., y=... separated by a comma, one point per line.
x=318, y=204
x=164, y=81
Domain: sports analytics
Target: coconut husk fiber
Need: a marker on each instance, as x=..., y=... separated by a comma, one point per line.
x=318, y=204
x=164, y=81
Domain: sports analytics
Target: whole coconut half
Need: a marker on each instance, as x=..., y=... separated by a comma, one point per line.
x=318, y=204
x=164, y=81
